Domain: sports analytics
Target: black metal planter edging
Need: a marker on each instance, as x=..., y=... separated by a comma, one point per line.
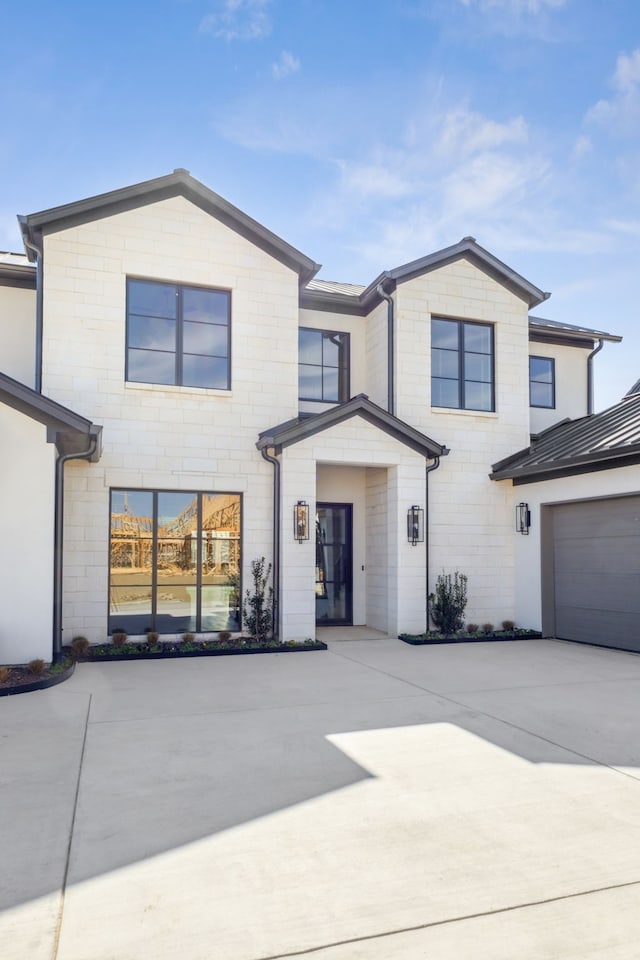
x=417, y=641
x=41, y=684
x=182, y=655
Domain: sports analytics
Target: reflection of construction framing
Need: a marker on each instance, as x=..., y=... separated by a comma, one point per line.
x=177, y=540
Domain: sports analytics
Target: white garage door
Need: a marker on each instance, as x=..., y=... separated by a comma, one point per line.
x=593, y=590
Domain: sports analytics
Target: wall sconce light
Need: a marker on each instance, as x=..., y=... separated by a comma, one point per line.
x=523, y=518
x=415, y=525
x=301, y=521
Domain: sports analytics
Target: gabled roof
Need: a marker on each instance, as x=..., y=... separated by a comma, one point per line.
x=70, y=432
x=567, y=331
x=292, y=431
x=598, y=442
x=178, y=183
x=361, y=300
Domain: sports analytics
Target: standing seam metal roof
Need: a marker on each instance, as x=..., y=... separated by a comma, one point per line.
x=578, y=445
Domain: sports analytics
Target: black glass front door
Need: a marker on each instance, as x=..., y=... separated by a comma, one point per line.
x=334, y=570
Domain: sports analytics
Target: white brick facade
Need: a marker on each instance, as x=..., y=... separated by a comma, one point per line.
x=174, y=438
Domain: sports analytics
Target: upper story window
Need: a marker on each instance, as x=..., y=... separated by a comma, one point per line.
x=542, y=382
x=323, y=365
x=178, y=335
x=462, y=366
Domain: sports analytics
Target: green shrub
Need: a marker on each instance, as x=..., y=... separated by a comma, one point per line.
x=448, y=603
x=258, y=605
x=80, y=645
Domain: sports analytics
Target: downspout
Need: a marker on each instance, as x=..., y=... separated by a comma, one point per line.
x=39, y=314
x=276, y=541
x=390, y=353
x=429, y=469
x=58, y=538
x=590, y=376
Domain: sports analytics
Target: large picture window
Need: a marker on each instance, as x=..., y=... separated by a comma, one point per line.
x=323, y=371
x=462, y=368
x=178, y=335
x=542, y=392
x=174, y=561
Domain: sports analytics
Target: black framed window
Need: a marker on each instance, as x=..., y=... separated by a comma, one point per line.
x=174, y=561
x=179, y=335
x=323, y=365
x=462, y=365
x=542, y=382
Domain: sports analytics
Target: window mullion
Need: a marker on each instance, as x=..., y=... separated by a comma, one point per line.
x=154, y=562
x=461, y=390
x=179, y=336
x=200, y=536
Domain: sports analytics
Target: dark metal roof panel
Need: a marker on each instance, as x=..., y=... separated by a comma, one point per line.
x=570, y=330
x=587, y=442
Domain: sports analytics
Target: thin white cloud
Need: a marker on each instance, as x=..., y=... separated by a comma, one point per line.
x=285, y=65
x=238, y=20
x=515, y=7
x=621, y=113
x=582, y=147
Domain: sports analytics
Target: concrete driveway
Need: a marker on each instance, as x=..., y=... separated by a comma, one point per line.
x=379, y=800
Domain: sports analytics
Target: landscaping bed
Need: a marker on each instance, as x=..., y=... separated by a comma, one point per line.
x=172, y=650
x=22, y=679
x=421, y=639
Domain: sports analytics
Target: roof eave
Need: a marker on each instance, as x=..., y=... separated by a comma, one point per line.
x=178, y=183
x=292, y=432
x=68, y=430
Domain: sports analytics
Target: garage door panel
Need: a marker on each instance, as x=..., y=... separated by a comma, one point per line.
x=596, y=571
x=611, y=553
x=593, y=626
x=614, y=516
x=586, y=590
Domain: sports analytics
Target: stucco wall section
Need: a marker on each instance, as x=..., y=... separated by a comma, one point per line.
x=604, y=483
x=377, y=373
x=571, y=384
x=18, y=333
x=175, y=438
x=26, y=546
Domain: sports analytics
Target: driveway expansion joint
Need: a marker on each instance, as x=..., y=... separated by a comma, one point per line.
x=532, y=904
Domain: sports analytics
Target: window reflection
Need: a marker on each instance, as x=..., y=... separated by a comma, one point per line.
x=174, y=561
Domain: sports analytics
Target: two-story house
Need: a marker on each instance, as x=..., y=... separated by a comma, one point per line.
x=180, y=396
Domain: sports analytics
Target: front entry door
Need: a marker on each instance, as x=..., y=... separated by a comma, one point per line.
x=334, y=567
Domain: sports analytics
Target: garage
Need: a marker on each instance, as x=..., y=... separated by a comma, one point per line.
x=592, y=561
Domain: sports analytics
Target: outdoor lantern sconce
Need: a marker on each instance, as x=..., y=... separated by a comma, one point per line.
x=301, y=521
x=523, y=518
x=415, y=525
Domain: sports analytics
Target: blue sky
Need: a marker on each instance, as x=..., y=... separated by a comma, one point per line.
x=365, y=133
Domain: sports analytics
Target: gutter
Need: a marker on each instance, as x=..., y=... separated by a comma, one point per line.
x=590, y=376
x=390, y=352
x=58, y=537
x=276, y=538
x=429, y=469
x=37, y=251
